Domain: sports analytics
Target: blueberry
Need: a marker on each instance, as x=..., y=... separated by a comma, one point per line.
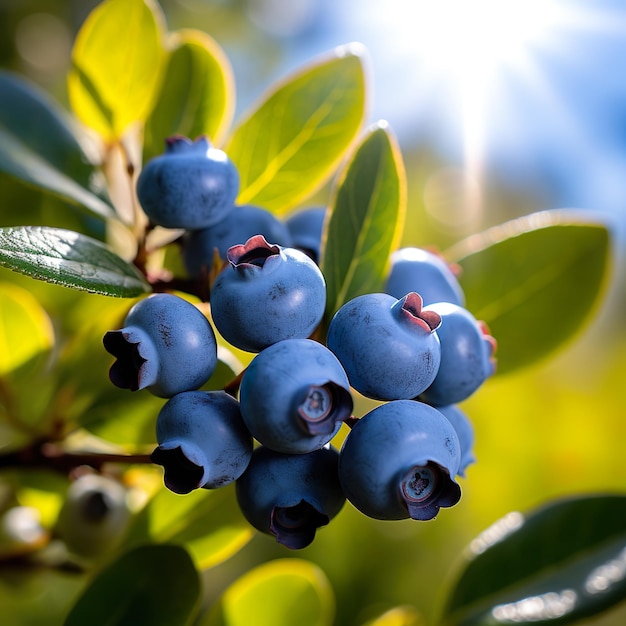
x=388, y=347
x=290, y=496
x=306, y=227
x=267, y=293
x=191, y=185
x=166, y=346
x=466, y=355
x=415, y=269
x=294, y=396
x=399, y=461
x=465, y=432
x=238, y=226
x=94, y=516
x=203, y=441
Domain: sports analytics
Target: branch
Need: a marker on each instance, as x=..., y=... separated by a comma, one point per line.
x=53, y=456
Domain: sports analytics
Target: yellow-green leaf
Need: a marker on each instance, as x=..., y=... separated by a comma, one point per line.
x=117, y=64
x=25, y=328
x=283, y=592
x=398, y=616
x=291, y=143
x=366, y=219
x=197, y=95
x=206, y=522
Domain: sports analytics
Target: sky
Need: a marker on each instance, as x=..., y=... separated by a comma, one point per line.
x=531, y=90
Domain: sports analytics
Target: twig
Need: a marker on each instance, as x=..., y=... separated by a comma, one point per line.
x=53, y=456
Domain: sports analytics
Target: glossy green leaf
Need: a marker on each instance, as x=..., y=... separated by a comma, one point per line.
x=292, y=143
x=366, y=220
x=557, y=565
x=197, y=96
x=283, y=592
x=117, y=63
x=25, y=328
x=39, y=147
x=156, y=585
x=206, y=522
x=69, y=259
x=535, y=281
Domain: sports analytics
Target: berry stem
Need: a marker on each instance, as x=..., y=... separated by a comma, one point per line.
x=164, y=283
x=140, y=228
x=51, y=455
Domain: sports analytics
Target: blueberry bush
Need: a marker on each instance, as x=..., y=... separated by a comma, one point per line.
x=230, y=332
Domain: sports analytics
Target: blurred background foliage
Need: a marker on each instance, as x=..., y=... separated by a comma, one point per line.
x=553, y=429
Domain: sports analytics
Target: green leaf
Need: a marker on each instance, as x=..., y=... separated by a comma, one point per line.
x=535, y=281
x=119, y=417
x=25, y=328
x=559, y=564
x=294, y=140
x=282, y=592
x=117, y=63
x=156, y=585
x=69, y=259
x=366, y=220
x=197, y=96
x=207, y=523
x=398, y=616
x=53, y=589
x=39, y=147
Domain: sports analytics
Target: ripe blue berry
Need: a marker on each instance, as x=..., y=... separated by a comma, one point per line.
x=399, y=461
x=203, y=441
x=306, y=227
x=465, y=432
x=466, y=355
x=237, y=227
x=294, y=396
x=266, y=294
x=191, y=185
x=166, y=346
x=415, y=269
x=290, y=496
x=388, y=347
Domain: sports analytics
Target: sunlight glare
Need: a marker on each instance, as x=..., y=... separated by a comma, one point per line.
x=466, y=46
x=462, y=36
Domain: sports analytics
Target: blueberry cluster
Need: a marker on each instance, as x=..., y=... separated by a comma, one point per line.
x=415, y=348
